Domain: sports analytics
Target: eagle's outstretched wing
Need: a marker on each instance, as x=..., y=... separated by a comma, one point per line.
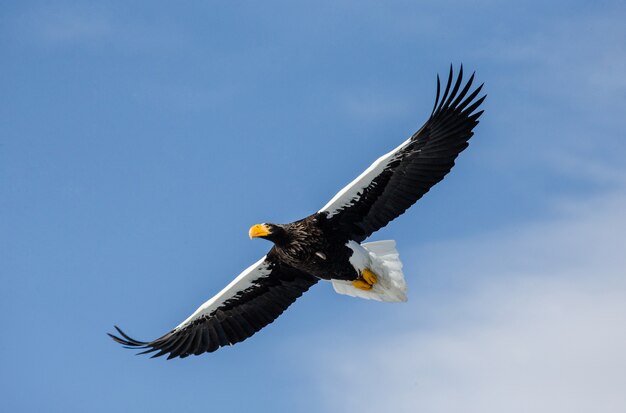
x=398, y=179
x=250, y=302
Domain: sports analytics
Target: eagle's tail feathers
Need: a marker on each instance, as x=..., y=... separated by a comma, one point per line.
x=385, y=263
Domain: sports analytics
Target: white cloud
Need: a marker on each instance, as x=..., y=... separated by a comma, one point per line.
x=370, y=106
x=60, y=28
x=54, y=26
x=558, y=89
x=537, y=325
x=91, y=27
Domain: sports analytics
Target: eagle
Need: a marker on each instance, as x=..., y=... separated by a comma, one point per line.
x=328, y=245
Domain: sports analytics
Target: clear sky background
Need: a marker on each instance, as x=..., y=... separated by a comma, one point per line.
x=139, y=142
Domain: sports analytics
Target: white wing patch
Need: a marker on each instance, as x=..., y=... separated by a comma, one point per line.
x=354, y=189
x=243, y=281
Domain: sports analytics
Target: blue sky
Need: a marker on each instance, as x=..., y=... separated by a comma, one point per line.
x=138, y=143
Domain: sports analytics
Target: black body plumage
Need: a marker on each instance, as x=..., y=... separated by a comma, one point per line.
x=315, y=247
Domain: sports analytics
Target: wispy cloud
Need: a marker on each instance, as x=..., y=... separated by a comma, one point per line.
x=581, y=57
x=62, y=27
x=537, y=326
x=72, y=27
x=555, y=95
x=375, y=107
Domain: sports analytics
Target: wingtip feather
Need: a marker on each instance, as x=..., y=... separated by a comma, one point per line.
x=436, y=95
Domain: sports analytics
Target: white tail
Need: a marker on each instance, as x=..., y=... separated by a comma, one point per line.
x=383, y=259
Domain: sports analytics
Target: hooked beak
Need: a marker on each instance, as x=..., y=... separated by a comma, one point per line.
x=259, y=230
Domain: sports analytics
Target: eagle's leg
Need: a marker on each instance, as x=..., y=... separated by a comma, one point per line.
x=366, y=280
x=369, y=276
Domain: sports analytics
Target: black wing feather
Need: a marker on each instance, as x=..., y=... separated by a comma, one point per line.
x=418, y=166
x=235, y=320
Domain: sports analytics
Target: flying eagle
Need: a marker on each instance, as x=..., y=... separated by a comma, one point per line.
x=328, y=245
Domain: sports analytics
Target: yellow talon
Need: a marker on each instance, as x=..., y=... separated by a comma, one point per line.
x=366, y=280
x=361, y=284
x=369, y=277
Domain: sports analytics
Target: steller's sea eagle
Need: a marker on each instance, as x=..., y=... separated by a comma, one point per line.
x=328, y=244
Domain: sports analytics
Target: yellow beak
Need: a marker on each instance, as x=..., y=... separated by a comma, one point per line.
x=259, y=230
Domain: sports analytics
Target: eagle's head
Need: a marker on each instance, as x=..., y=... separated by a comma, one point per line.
x=272, y=232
